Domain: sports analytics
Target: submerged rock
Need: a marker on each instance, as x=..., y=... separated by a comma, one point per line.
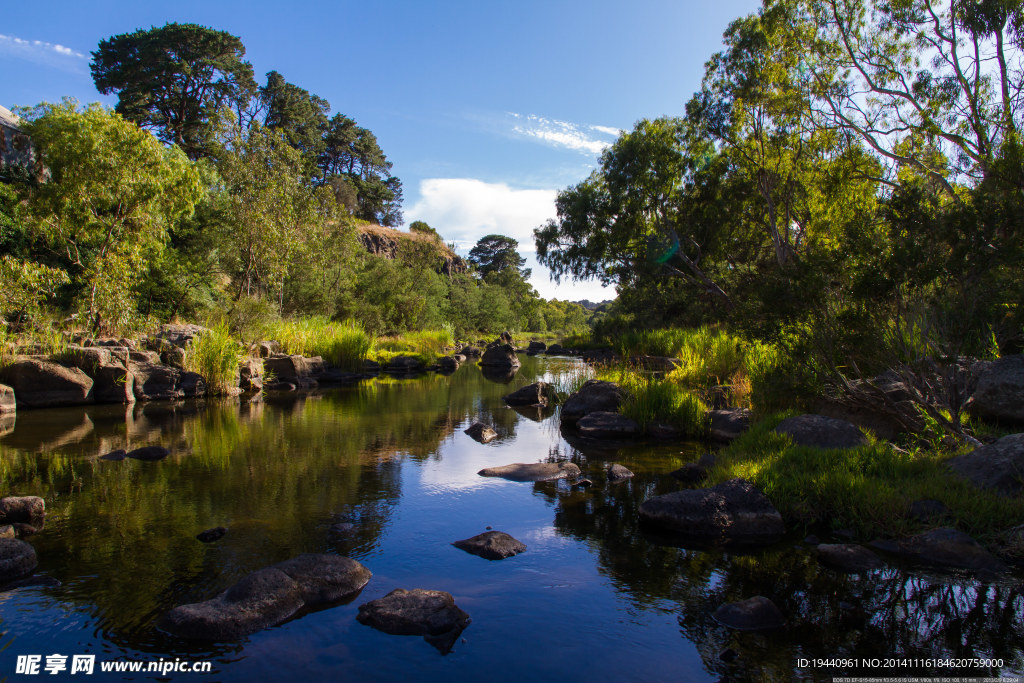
x=607, y=425
x=819, y=431
x=491, y=545
x=618, y=473
x=119, y=454
x=848, y=557
x=998, y=467
x=149, y=453
x=594, y=396
x=733, y=511
x=267, y=597
x=17, y=559
x=428, y=613
x=943, y=547
x=481, y=432
x=537, y=471
x=753, y=614
x=211, y=535
x=538, y=393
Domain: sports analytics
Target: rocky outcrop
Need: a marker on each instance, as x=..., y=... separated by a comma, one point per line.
x=536, y=471
x=536, y=394
x=386, y=243
x=943, y=547
x=733, y=511
x=158, y=382
x=107, y=366
x=998, y=467
x=26, y=509
x=819, y=431
x=267, y=597
x=428, y=613
x=848, y=557
x=728, y=424
x=17, y=559
x=491, y=545
x=42, y=384
x=1000, y=391
x=606, y=425
x=481, y=432
x=180, y=335
x=250, y=375
x=594, y=396
x=295, y=369
x=753, y=614
x=500, y=356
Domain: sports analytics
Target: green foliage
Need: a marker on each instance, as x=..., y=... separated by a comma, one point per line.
x=215, y=355
x=650, y=400
x=497, y=254
x=345, y=345
x=25, y=286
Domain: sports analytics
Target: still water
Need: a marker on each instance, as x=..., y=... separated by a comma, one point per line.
x=592, y=598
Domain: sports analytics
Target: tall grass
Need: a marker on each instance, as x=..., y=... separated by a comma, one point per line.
x=215, y=355
x=426, y=345
x=650, y=400
x=345, y=345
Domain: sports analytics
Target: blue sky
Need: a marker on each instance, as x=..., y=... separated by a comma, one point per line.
x=486, y=108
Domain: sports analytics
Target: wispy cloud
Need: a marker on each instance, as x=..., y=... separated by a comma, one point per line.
x=41, y=52
x=579, y=137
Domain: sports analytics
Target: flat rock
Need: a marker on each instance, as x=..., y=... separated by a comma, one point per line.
x=536, y=394
x=943, y=547
x=481, y=432
x=268, y=596
x=21, y=509
x=17, y=559
x=535, y=471
x=149, y=453
x=42, y=384
x=728, y=424
x=753, y=614
x=211, y=535
x=428, y=613
x=618, y=472
x=999, y=394
x=733, y=511
x=998, y=467
x=594, y=396
x=607, y=425
x=491, y=545
x=848, y=557
x=819, y=431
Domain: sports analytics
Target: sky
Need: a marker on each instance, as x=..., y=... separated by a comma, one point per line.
x=486, y=108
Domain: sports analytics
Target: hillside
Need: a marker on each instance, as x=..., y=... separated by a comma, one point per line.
x=386, y=242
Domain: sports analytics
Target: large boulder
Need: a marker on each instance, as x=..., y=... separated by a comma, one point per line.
x=491, y=545
x=943, y=547
x=753, y=614
x=1000, y=391
x=617, y=472
x=267, y=597
x=404, y=364
x=21, y=509
x=728, y=424
x=536, y=394
x=428, y=613
x=536, y=347
x=469, y=352
x=819, y=431
x=998, y=466
x=107, y=366
x=42, y=384
x=17, y=559
x=8, y=403
x=594, y=396
x=500, y=356
x=159, y=382
x=733, y=511
x=180, y=335
x=250, y=375
x=536, y=471
x=607, y=425
x=295, y=369
x=481, y=432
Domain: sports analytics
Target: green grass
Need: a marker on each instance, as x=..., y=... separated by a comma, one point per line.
x=867, y=489
x=659, y=400
x=427, y=345
x=345, y=345
x=215, y=355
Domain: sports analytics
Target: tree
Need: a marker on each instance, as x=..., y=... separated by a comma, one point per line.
x=422, y=228
x=497, y=254
x=177, y=80
x=353, y=153
x=113, y=192
x=299, y=116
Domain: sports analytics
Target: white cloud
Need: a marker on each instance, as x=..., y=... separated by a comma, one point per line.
x=463, y=210
x=590, y=140
x=42, y=52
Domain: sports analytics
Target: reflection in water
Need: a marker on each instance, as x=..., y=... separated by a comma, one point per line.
x=389, y=457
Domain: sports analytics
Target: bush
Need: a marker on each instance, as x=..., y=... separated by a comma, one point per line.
x=215, y=355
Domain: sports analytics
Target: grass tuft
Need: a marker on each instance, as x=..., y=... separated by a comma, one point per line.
x=215, y=355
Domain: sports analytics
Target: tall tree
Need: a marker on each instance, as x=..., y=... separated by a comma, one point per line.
x=177, y=80
x=353, y=154
x=497, y=254
x=299, y=116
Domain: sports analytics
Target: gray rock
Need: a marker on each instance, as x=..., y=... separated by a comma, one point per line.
x=943, y=547
x=753, y=614
x=267, y=597
x=554, y=350
x=491, y=545
x=998, y=467
x=250, y=375
x=21, y=530
x=536, y=394
x=607, y=425
x=537, y=471
x=404, y=364
x=448, y=363
x=21, y=509
x=180, y=335
x=848, y=557
x=733, y=511
x=428, y=613
x=8, y=403
x=481, y=432
x=119, y=454
x=149, y=453
x=17, y=559
x=211, y=535
x=583, y=483
x=1000, y=391
x=594, y=396
x=618, y=473
x=158, y=382
x=819, y=431
x=536, y=347
x=470, y=352
x=728, y=424
x=501, y=356
x=42, y=384
x=295, y=369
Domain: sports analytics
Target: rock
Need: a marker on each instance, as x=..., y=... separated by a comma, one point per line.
x=491, y=545
x=728, y=424
x=174, y=357
x=943, y=547
x=554, y=350
x=690, y=473
x=733, y=511
x=753, y=614
x=42, y=384
x=265, y=349
x=149, y=453
x=583, y=483
x=537, y=471
x=144, y=356
x=267, y=597
x=848, y=557
x=21, y=530
x=295, y=369
x=428, y=613
x=119, y=454
x=8, y=403
x=158, y=382
x=998, y=467
x=280, y=386
x=250, y=375
x=536, y=347
x=7, y=531
x=928, y=510
x=499, y=374
x=470, y=352
x=448, y=363
x=594, y=396
x=335, y=377
x=180, y=335
x=211, y=535
x=607, y=425
x=481, y=432
x=17, y=559
x=505, y=337
x=371, y=366
x=819, y=431
x=1000, y=391
x=21, y=509
x=459, y=357
x=502, y=356
x=538, y=393
x=404, y=364
x=618, y=473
